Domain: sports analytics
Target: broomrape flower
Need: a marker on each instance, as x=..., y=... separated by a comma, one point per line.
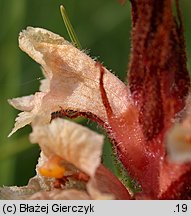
x=69, y=166
x=147, y=120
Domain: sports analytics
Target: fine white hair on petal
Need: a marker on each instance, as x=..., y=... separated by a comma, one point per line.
x=178, y=143
x=72, y=142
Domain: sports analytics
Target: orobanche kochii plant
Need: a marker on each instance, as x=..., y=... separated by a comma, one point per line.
x=148, y=120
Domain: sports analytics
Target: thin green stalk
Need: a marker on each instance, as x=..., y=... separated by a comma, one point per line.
x=69, y=28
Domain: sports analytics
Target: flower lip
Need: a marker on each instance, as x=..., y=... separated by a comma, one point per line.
x=40, y=35
x=31, y=38
x=71, y=142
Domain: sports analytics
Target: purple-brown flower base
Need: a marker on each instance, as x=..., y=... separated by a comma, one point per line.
x=146, y=160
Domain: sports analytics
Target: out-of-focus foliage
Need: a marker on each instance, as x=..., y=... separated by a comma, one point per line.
x=103, y=28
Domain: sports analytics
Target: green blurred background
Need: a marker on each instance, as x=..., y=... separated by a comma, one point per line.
x=103, y=28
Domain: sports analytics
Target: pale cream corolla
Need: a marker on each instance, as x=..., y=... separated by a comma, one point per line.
x=71, y=81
